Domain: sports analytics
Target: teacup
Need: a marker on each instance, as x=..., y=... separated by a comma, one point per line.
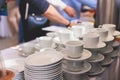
x=27, y=48
x=78, y=31
x=110, y=28
x=91, y=40
x=73, y=65
x=45, y=41
x=74, y=48
x=103, y=34
x=64, y=35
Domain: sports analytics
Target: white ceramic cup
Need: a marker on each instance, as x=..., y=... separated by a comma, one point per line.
x=110, y=28
x=78, y=31
x=27, y=48
x=103, y=34
x=91, y=40
x=74, y=48
x=73, y=65
x=45, y=41
x=64, y=36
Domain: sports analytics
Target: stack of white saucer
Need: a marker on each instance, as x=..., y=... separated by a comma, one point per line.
x=45, y=65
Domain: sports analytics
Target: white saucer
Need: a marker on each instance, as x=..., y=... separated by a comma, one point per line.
x=109, y=39
x=107, y=50
x=100, y=45
x=67, y=76
x=86, y=68
x=97, y=58
x=98, y=72
x=116, y=33
x=107, y=61
x=114, y=54
x=85, y=55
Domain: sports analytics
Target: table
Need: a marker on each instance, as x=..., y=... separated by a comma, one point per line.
x=111, y=73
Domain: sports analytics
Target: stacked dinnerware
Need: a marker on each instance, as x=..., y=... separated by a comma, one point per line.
x=108, y=50
x=93, y=43
x=44, y=65
x=74, y=61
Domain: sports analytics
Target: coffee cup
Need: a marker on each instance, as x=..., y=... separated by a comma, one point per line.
x=45, y=42
x=27, y=48
x=110, y=28
x=64, y=35
x=91, y=40
x=103, y=34
x=74, y=48
x=78, y=31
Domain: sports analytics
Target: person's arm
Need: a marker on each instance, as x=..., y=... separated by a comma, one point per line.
x=90, y=3
x=49, y=11
x=62, y=6
x=13, y=14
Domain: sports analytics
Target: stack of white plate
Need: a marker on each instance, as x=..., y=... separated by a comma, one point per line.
x=45, y=65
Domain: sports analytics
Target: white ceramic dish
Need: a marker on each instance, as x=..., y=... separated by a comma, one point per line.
x=109, y=39
x=114, y=54
x=107, y=61
x=43, y=58
x=107, y=50
x=97, y=72
x=85, y=69
x=85, y=55
x=96, y=58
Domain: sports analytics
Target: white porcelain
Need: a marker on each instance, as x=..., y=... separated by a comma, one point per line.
x=78, y=30
x=73, y=65
x=86, y=67
x=85, y=55
x=44, y=65
x=109, y=39
x=107, y=61
x=68, y=76
x=64, y=35
x=44, y=41
x=99, y=46
x=57, y=40
x=96, y=69
x=74, y=48
x=44, y=58
x=96, y=58
x=27, y=49
x=103, y=34
x=114, y=54
x=51, y=34
x=110, y=28
x=91, y=39
x=106, y=50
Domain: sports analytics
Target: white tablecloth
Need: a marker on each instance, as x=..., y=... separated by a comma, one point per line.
x=111, y=73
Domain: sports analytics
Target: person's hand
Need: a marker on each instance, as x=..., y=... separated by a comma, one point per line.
x=13, y=15
x=70, y=11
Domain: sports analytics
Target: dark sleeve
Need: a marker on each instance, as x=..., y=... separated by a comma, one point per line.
x=2, y=2
x=40, y=5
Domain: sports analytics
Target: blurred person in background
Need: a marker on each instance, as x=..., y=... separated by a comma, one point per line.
x=76, y=5
x=41, y=7
x=2, y=3
x=5, y=30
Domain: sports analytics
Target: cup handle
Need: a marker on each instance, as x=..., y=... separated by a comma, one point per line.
x=100, y=26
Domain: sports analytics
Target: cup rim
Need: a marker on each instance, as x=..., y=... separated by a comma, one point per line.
x=77, y=43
